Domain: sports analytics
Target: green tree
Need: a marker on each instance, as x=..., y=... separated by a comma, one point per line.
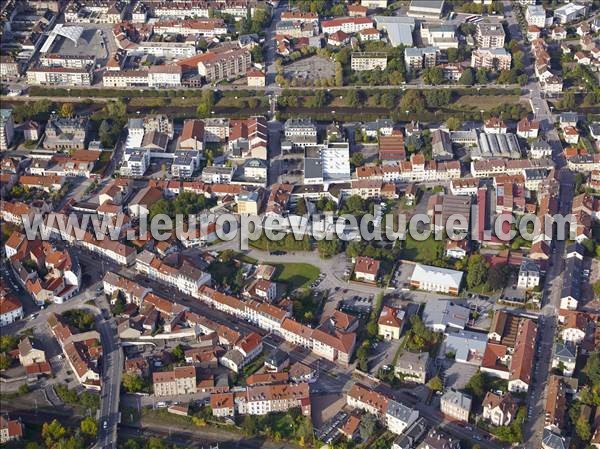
x=207, y=102
x=583, y=428
x=339, y=74
x=412, y=101
x=592, y=369
x=301, y=207
x=433, y=76
x=66, y=110
x=453, y=123
x=467, y=78
x=156, y=443
x=329, y=247
x=8, y=343
x=477, y=385
x=522, y=79
x=497, y=277
x=132, y=383
x=368, y=423
x=435, y=384
x=357, y=159
x=249, y=425
x=568, y=101
x=596, y=288
x=388, y=100
x=481, y=76
x=477, y=271
x=353, y=98
x=5, y=361
x=53, y=432
x=89, y=426
x=452, y=54
x=178, y=354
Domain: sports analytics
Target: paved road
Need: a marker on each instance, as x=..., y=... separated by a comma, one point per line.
x=113, y=362
x=270, y=45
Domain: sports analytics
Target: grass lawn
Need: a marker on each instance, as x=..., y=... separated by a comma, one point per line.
x=296, y=275
x=484, y=102
x=425, y=252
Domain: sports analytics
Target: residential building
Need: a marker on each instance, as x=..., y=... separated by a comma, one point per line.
x=11, y=308
x=540, y=149
x=10, y=429
x=181, y=380
x=491, y=58
x=30, y=352
x=521, y=365
x=300, y=131
x=564, y=358
x=186, y=278
x=224, y=65
x=536, y=15
x=390, y=323
x=529, y=275
x=256, y=78
x=217, y=174
x=366, y=269
x=264, y=399
x=556, y=405
x=348, y=25
x=192, y=135
x=59, y=76
x=413, y=367
x=361, y=61
x=438, y=439
x=420, y=58
x=409, y=438
x=500, y=410
x=456, y=405
x=528, y=129
x=363, y=398
x=574, y=328
x=10, y=68
x=399, y=417
x=489, y=35
x=457, y=249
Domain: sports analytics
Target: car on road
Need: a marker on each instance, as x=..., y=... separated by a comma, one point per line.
x=105, y=425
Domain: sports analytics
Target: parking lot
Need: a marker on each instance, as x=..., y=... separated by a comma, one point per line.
x=313, y=68
x=329, y=431
x=455, y=375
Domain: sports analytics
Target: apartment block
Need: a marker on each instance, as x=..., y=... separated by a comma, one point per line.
x=489, y=35
x=491, y=58
x=229, y=64
x=368, y=61
x=182, y=380
x=420, y=58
